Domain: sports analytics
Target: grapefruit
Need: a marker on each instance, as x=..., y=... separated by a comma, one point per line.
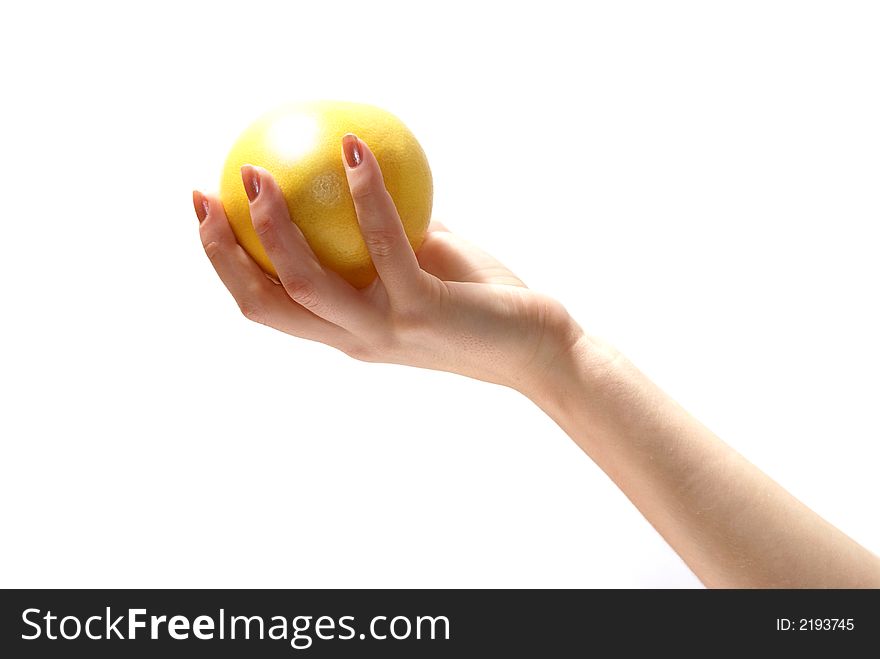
x=300, y=145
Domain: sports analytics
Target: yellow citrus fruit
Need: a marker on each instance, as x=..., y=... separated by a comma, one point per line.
x=300, y=145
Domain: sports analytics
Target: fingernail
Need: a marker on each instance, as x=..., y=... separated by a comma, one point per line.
x=251, y=179
x=200, y=203
x=352, y=147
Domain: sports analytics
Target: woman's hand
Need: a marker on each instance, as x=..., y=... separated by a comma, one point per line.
x=450, y=307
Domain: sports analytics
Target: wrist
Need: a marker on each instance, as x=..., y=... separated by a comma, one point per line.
x=574, y=366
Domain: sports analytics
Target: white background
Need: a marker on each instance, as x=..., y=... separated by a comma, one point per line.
x=697, y=182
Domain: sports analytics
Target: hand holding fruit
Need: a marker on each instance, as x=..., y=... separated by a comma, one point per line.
x=450, y=307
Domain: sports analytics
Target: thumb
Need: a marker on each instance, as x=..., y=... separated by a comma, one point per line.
x=379, y=221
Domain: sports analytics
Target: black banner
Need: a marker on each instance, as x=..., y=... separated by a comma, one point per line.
x=430, y=623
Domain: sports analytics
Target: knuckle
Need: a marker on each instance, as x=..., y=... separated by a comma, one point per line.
x=213, y=248
x=263, y=225
x=254, y=303
x=359, y=351
x=380, y=242
x=252, y=310
x=366, y=186
x=301, y=290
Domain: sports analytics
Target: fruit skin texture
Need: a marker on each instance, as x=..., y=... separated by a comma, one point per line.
x=300, y=145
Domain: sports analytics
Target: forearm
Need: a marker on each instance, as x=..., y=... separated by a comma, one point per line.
x=732, y=524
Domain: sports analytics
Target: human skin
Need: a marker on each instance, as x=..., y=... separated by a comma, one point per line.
x=454, y=308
